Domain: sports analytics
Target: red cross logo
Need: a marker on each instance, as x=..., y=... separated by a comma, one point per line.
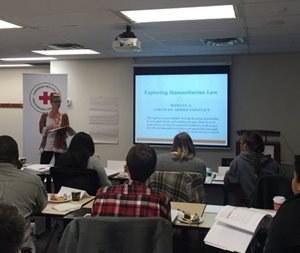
x=45, y=97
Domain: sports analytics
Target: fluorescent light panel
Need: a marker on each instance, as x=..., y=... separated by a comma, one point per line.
x=180, y=14
x=29, y=59
x=66, y=52
x=15, y=65
x=7, y=25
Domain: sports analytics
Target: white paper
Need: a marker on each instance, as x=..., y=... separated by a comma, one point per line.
x=110, y=172
x=67, y=190
x=241, y=217
x=37, y=168
x=221, y=173
x=208, y=179
x=69, y=130
x=67, y=207
x=104, y=119
x=212, y=208
x=228, y=238
x=269, y=150
x=176, y=214
x=234, y=228
x=118, y=166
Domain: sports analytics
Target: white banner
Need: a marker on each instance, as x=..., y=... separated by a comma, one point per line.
x=36, y=100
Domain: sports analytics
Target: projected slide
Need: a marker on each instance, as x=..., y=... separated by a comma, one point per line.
x=168, y=104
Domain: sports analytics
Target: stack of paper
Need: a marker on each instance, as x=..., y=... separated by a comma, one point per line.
x=38, y=168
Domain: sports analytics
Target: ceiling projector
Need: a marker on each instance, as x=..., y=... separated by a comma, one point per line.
x=126, y=42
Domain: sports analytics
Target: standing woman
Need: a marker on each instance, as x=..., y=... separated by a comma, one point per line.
x=54, y=142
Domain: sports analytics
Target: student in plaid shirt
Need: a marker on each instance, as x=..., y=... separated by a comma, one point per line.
x=133, y=198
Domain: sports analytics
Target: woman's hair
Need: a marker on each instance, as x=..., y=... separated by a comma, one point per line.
x=297, y=167
x=54, y=95
x=255, y=144
x=80, y=149
x=183, y=147
x=12, y=228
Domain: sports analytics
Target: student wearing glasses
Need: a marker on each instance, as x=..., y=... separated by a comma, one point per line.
x=53, y=142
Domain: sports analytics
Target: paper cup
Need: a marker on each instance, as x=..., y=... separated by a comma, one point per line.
x=75, y=196
x=277, y=201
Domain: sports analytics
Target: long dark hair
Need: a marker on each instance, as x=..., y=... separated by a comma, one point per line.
x=80, y=149
x=256, y=145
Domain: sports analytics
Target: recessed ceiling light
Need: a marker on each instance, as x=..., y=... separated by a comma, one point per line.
x=7, y=25
x=66, y=52
x=15, y=65
x=223, y=42
x=29, y=59
x=179, y=14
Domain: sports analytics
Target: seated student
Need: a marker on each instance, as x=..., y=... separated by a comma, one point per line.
x=12, y=228
x=133, y=198
x=250, y=164
x=80, y=156
x=284, y=234
x=182, y=157
x=26, y=191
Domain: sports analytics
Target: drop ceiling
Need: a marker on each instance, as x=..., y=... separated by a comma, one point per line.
x=268, y=26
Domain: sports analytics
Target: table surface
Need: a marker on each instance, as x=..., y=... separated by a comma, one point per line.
x=208, y=217
x=192, y=208
x=50, y=211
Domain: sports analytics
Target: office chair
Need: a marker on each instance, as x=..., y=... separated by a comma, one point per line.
x=117, y=234
x=83, y=179
x=268, y=187
x=178, y=186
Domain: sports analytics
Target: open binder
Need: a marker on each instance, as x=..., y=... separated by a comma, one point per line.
x=68, y=129
x=235, y=227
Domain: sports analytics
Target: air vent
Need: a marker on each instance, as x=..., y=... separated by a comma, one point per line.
x=223, y=42
x=65, y=46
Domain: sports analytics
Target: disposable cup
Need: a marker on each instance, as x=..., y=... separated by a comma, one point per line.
x=75, y=196
x=277, y=201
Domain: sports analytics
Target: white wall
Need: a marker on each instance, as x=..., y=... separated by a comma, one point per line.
x=265, y=95
x=108, y=78
x=11, y=86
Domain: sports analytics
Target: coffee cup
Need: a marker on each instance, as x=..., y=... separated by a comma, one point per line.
x=75, y=196
x=277, y=201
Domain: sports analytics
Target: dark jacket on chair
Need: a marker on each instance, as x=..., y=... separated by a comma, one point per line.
x=117, y=234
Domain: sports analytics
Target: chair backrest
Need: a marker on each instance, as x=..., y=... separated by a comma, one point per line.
x=268, y=187
x=83, y=179
x=117, y=234
x=178, y=186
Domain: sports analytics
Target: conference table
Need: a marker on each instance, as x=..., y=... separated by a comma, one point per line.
x=50, y=210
